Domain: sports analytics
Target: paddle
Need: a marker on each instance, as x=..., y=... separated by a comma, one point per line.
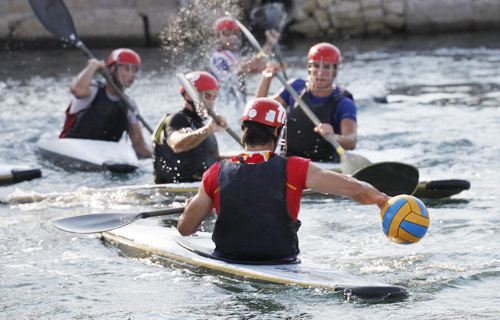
x=195, y=95
x=270, y=16
x=100, y=222
x=349, y=162
x=387, y=174
x=55, y=17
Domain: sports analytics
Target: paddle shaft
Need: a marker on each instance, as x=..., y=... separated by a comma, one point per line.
x=195, y=95
x=279, y=55
x=164, y=212
x=56, y=18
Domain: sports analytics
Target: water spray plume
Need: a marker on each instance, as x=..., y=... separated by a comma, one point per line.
x=188, y=39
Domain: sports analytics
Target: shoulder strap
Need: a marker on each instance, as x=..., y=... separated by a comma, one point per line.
x=159, y=129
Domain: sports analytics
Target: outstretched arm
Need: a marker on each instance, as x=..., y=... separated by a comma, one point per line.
x=339, y=184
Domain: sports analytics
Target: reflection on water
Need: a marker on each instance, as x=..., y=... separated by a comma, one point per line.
x=442, y=115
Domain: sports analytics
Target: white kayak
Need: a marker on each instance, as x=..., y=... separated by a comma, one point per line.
x=150, y=239
x=85, y=154
x=10, y=173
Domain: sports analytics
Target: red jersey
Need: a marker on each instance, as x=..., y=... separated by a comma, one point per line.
x=296, y=179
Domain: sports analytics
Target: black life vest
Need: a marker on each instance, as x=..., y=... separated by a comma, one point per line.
x=302, y=141
x=188, y=166
x=104, y=119
x=254, y=222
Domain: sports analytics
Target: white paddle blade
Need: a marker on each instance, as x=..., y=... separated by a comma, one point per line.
x=351, y=163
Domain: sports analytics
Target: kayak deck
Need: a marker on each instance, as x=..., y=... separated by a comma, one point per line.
x=156, y=241
x=88, y=155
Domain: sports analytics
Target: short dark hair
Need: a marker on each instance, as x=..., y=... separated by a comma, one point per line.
x=255, y=133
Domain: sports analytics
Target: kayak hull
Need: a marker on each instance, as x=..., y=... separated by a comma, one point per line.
x=89, y=155
x=164, y=243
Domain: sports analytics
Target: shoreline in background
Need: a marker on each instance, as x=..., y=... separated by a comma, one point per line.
x=141, y=23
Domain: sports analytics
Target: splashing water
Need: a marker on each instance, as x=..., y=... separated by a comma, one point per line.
x=188, y=39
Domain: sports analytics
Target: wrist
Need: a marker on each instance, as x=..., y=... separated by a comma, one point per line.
x=207, y=130
x=267, y=47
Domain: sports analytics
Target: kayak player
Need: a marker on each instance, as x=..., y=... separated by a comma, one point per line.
x=96, y=111
x=257, y=193
x=333, y=106
x=184, y=147
x=228, y=67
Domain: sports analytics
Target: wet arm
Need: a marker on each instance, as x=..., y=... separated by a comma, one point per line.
x=138, y=142
x=186, y=139
x=348, y=137
x=196, y=211
x=339, y=184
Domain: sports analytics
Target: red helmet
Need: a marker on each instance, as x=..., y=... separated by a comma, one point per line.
x=202, y=81
x=266, y=111
x=226, y=23
x=324, y=51
x=124, y=55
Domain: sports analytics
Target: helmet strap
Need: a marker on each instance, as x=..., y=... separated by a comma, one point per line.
x=282, y=142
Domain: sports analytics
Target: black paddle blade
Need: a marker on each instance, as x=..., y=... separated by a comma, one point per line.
x=373, y=292
x=92, y=223
x=119, y=167
x=392, y=178
x=441, y=188
x=55, y=17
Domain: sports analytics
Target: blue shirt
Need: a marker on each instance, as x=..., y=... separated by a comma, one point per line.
x=346, y=108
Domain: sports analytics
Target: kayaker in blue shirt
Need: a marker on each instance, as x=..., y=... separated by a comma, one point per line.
x=334, y=107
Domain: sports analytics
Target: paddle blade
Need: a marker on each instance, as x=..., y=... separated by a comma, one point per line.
x=392, y=178
x=55, y=17
x=92, y=223
x=351, y=162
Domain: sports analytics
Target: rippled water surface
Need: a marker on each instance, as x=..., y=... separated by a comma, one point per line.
x=442, y=116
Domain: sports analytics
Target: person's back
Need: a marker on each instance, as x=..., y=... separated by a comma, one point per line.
x=257, y=195
x=250, y=229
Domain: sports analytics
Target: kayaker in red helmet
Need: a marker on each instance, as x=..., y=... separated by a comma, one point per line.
x=184, y=146
x=228, y=66
x=257, y=193
x=334, y=107
x=96, y=111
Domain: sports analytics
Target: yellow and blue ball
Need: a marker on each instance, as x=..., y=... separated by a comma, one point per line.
x=404, y=219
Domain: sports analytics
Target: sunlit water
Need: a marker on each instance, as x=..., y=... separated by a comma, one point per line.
x=442, y=116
